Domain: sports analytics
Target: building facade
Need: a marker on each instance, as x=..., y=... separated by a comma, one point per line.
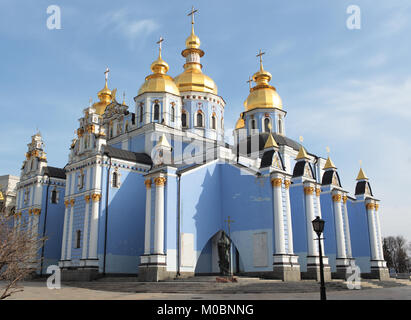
x=149, y=189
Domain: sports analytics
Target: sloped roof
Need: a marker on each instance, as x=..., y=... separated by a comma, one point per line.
x=55, y=172
x=142, y=158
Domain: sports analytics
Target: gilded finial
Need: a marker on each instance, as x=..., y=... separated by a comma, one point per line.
x=90, y=102
x=361, y=175
x=270, y=141
x=327, y=149
x=106, y=74
x=301, y=139
x=124, y=98
x=191, y=13
x=249, y=81
x=159, y=46
x=260, y=55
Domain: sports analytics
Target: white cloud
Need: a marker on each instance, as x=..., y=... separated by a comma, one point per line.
x=123, y=23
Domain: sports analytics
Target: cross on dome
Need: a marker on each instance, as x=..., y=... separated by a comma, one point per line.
x=260, y=55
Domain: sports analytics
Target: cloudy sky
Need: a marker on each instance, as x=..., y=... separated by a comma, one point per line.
x=346, y=89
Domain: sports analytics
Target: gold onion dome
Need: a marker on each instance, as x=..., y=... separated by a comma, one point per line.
x=105, y=97
x=192, y=78
x=263, y=95
x=159, y=81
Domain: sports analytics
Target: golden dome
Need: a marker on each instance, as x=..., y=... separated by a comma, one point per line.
x=105, y=97
x=263, y=95
x=193, y=79
x=159, y=81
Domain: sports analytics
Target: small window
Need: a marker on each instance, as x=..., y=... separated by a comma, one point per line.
x=267, y=125
x=54, y=196
x=78, y=239
x=81, y=180
x=173, y=114
x=141, y=114
x=280, y=126
x=213, y=122
x=184, y=120
x=156, y=112
x=253, y=124
x=200, y=120
x=115, y=180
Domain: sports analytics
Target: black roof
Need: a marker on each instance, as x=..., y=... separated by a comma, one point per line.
x=55, y=172
x=262, y=138
x=267, y=159
x=142, y=158
x=299, y=169
x=360, y=187
x=328, y=178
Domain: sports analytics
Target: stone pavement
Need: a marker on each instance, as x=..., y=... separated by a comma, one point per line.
x=202, y=288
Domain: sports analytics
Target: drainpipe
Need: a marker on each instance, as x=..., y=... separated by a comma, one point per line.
x=178, y=225
x=44, y=225
x=106, y=218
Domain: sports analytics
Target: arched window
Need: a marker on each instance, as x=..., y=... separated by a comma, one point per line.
x=267, y=125
x=156, y=112
x=173, y=114
x=115, y=180
x=213, y=122
x=78, y=238
x=141, y=114
x=54, y=196
x=184, y=120
x=252, y=124
x=200, y=120
x=222, y=123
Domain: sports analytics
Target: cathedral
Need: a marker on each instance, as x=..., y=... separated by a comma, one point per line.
x=148, y=190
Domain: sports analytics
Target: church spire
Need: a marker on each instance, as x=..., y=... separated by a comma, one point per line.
x=361, y=175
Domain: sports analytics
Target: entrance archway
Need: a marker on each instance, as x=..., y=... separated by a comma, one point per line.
x=207, y=262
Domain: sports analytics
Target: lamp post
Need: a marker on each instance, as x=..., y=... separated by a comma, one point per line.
x=318, y=225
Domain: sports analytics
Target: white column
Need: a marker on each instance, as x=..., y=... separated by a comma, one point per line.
x=339, y=226
x=66, y=222
x=94, y=226
x=289, y=219
x=372, y=230
x=309, y=212
x=85, y=228
x=377, y=220
x=278, y=216
x=318, y=203
x=159, y=216
x=70, y=231
x=147, y=234
x=347, y=228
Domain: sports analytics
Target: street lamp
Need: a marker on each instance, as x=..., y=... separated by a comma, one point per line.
x=318, y=225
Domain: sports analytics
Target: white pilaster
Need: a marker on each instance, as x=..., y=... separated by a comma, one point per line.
x=159, y=216
x=339, y=226
x=70, y=231
x=372, y=230
x=377, y=220
x=278, y=216
x=147, y=234
x=347, y=228
x=85, y=228
x=66, y=222
x=94, y=226
x=309, y=212
x=289, y=219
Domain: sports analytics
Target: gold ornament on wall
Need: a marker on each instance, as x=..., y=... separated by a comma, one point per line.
x=148, y=183
x=276, y=182
x=309, y=190
x=287, y=183
x=160, y=181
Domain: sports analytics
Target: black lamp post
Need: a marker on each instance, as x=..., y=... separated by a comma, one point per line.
x=318, y=225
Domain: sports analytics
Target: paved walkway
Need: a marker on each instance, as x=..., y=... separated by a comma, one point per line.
x=123, y=289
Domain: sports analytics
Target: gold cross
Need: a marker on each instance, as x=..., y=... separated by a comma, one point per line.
x=229, y=221
x=192, y=14
x=260, y=55
x=250, y=80
x=160, y=41
x=106, y=73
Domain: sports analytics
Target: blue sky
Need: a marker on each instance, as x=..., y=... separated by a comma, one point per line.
x=346, y=89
